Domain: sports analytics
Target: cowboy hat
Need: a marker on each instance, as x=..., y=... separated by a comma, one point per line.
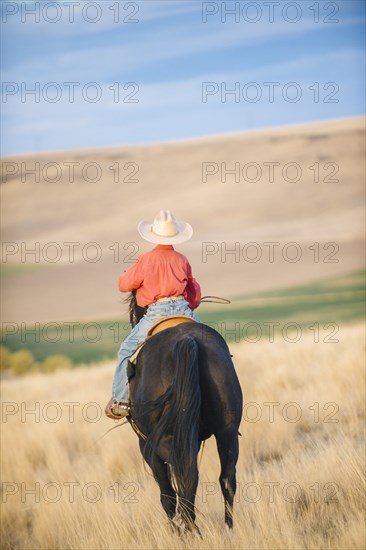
x=165, y=229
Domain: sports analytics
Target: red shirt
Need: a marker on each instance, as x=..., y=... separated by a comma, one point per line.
x=160, y=273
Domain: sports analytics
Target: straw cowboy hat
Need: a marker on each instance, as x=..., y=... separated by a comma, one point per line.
x=165, y=229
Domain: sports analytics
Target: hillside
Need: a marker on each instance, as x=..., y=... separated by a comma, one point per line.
x=292, y=213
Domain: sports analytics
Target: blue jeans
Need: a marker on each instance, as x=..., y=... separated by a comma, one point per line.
x=138, y=334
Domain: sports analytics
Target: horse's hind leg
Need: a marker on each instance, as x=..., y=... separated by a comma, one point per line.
x=168, y=497
x=228, y=448
x=186, y=509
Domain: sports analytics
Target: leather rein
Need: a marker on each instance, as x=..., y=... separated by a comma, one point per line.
x=214, y=300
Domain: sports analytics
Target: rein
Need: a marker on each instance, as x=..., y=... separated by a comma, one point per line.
x=133, y=425
x=136, y=429
x=214, y=300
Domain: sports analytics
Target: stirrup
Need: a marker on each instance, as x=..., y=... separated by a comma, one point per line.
x=120, y=409
x=117, y=409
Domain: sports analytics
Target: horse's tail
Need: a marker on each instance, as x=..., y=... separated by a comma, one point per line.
x=181, y=418
x=185, y=411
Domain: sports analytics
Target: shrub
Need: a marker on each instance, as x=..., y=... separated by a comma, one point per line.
x=5, y=355
x=55, y=362
x=22, y=361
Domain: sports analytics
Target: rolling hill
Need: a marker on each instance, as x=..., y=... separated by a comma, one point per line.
x=270, y=209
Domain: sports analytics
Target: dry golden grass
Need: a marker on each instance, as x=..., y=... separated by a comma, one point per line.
x=300, y=484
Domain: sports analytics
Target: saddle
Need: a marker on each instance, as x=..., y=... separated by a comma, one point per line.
x=159, y=326
x=168, y=322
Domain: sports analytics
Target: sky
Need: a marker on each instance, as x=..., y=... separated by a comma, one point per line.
x=80, y=74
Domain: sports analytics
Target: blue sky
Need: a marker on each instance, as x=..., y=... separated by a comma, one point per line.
x=312, y=51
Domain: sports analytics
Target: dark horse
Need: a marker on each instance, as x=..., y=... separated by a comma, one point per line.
x=184, y=390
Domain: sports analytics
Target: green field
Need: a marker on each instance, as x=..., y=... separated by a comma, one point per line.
x=339, y=299
x=321, y=307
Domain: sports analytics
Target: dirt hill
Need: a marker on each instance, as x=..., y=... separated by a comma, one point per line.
x=269, y=209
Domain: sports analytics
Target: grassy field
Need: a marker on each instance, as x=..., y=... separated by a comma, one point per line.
x=318, y=307
x=300, y=471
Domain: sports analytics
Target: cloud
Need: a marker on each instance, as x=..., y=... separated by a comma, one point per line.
x=153, y=53
x=173, y=110
x=132, y=49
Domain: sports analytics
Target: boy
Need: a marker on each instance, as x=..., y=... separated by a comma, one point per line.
x=164, y=283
